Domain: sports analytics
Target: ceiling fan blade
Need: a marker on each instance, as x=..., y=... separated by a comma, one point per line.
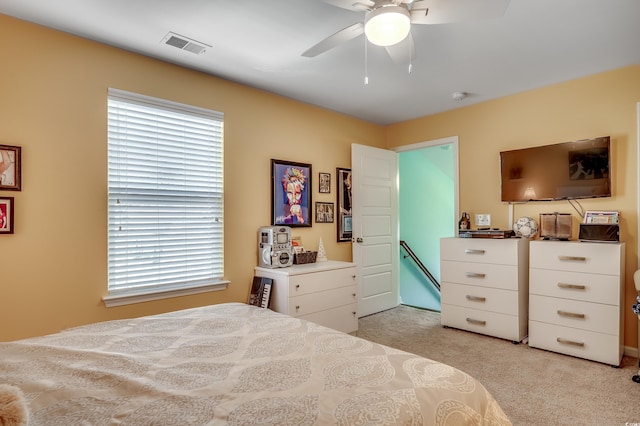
x=403, y=52
x=336, y=39
x=355, y=5
x=447, y=11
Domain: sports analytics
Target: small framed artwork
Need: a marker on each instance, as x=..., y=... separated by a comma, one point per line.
x=324, y=186
x=10, y=168
x=324, y=212
x=6, y=215
x=290, y=193
x=344, y=204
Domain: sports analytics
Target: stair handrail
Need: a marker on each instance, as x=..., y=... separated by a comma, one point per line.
x=419, y=263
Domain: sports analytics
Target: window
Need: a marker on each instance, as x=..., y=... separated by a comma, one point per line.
x=165, y=211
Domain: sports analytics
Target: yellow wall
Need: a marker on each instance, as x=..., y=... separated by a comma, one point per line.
x=598, y=105
x=53, y=90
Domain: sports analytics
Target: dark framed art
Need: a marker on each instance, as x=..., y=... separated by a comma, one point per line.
x=324, y=183
x=344, y=204
x=324, y=212
x=290, y=193
x=6, y=215
x=10, y=168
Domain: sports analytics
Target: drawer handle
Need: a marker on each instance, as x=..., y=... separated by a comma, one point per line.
x=297, y=286
x=473, y=251
x=476, y=298
x=572, y=286
x=570, y=314
x=474, y=275
x=354, y=295
x=569, y=342
x=297, y=307
x=476, y=322
x=353, y=312
x=572, y=258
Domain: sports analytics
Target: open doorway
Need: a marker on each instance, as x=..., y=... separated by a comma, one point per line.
x=428, y=208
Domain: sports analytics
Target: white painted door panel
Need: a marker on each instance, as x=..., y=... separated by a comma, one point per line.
x=375, y=227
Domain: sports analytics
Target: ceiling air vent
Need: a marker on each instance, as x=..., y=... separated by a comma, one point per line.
x=184, y=43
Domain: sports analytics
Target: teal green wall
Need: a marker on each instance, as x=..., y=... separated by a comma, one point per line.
x=426, y=214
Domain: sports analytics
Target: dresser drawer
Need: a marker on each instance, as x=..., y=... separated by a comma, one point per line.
x=341, y=318
x=575, y=285
x=576, y=314
x=300, y=284
x=309, y=303
x=480, y=274
x=486, y=299
x=484, y=322
x=479, y=250
x=599, y=347
x=593, y=258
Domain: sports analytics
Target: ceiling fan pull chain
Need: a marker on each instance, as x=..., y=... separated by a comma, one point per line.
x=366, y=65
x=410, y=58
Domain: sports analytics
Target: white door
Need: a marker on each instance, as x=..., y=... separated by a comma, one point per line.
x=374, y=174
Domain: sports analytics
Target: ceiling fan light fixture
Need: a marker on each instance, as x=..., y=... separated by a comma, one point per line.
x=387, y=25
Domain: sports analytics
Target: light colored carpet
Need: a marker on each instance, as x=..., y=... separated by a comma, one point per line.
x=533, y=387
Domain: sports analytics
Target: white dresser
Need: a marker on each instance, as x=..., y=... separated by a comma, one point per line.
x=576, y=299
x=484, y=285
x=321, y=292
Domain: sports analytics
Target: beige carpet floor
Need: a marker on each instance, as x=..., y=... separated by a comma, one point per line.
x=534, y=387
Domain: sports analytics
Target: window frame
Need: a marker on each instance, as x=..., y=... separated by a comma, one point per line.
x=123, y=296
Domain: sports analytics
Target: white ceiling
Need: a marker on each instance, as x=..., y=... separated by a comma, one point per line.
x=259, y=43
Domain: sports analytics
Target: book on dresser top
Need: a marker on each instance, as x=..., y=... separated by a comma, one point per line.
x=487, y=233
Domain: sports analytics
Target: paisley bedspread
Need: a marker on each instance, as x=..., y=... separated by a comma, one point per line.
x=234, y=364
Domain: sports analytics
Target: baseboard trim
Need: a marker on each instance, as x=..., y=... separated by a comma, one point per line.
x=632, y=352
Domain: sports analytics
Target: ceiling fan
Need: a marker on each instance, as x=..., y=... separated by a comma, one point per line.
x=388, y=22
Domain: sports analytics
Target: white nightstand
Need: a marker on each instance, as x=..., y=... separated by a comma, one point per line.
x=321, y=292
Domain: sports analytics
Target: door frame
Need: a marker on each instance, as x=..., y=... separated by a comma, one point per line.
x=453, y=140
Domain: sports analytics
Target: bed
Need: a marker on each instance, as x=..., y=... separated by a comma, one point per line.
x=233, y=364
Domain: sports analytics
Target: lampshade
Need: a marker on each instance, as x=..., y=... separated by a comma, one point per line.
x=529, y=193
x=387, y=25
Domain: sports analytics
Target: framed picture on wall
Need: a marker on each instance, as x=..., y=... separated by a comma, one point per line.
x=290, y=193
x=10, y=168
x=6, y=215
x=324, y=212
x=324, y=185
x=344, y=204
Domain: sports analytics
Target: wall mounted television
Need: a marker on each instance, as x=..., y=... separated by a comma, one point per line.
x=562, y=171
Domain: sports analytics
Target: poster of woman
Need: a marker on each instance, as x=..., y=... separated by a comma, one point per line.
x=290, y=193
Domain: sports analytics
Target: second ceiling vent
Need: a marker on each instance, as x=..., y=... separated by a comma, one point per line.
x=185, y=43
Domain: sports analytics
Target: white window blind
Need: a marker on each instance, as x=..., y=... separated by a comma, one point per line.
x=165, y=165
